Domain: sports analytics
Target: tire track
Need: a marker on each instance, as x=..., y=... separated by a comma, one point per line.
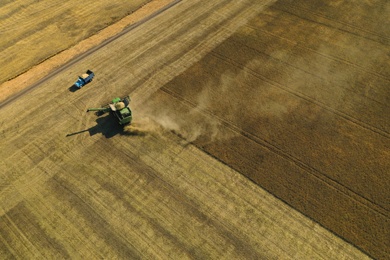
x=56, y=223
x=293, y=8
x=47, y=111
x=308, y=71
x=79, y=167
x=150, y=48
x=330, y=57
x=191, y=206
x=14, y=230
x=65, y=190
x=296, y=161
x=219, y=195
x=339, y=113
x=324, y=104
x=174, y=65
x=225, y=231
x=154, y=217
x=348, y=196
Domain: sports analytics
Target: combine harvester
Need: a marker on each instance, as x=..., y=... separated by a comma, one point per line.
x=119, y=108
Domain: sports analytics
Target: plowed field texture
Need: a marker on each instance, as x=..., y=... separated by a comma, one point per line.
x=261, y=130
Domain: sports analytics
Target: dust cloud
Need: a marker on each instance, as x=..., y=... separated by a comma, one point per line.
x=215, y=112
x=190, y=123
x=192, y=127
x=142, y=126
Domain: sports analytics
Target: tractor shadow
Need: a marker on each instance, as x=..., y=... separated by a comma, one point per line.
x=107, y=126
x=73, y=88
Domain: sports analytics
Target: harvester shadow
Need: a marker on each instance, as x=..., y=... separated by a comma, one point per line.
x=107, y=126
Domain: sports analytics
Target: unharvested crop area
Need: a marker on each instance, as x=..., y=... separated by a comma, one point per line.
x=32, y=31
x=239, y=105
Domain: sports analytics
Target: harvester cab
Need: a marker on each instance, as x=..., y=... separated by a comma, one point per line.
x=119, y=107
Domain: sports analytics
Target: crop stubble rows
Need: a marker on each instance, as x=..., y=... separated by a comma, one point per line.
x=309, y=107
x=141, y=196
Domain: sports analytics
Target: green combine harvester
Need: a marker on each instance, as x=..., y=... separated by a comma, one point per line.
x=119, y=108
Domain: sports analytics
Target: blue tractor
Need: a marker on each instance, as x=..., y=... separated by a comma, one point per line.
x=84, y=79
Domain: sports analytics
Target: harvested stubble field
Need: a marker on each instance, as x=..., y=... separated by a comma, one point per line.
x=232, y=97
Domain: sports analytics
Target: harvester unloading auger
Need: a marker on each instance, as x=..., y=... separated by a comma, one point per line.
x=119, y=108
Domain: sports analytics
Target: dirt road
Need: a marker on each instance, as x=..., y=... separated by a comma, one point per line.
x=76, y=185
